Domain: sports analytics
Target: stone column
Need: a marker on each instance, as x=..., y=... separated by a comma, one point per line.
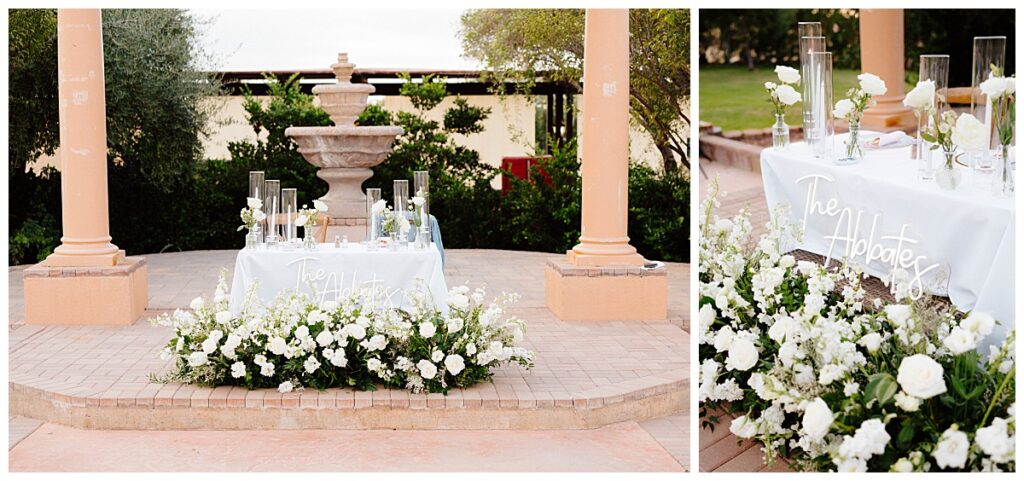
x=83, y=143
x=605, y=161
x=87, y=280
x=882, y=53
x=602, y=277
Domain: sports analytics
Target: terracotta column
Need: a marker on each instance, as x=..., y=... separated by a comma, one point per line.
x=881, y=53
x=83, y=142
x=605, y=162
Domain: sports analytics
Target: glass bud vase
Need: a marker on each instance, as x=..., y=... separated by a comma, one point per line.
x=780, y=132
x=853, y=152
x=252, y=239
x=948, y=177
x=1003, y=185
x=308, y=241
x=422, y=236
x=393, y=241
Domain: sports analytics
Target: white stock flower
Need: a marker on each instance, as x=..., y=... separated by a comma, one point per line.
x=969, y=133
x=285, y=387
x=277, y=345
x=254, y=203
x=427, y=369
x=872, y=84
x=996, y=442
x=817, y=419
x=993, y=87
x=311, y=365
x=197, y=358
x=723, y=339
x=376, y=343
x=782, y=329
x=871, y=342
x=458, y=301
x=453, y=324
x=959, y=340
x=471, y=349
x=238, y=370
x=427, y=329
x=742, y=355
x=319, y=205
x=267, y=369
x=223, y=317
x=951, y=451
x=437, y=356
x=356, y=331
x=455, y=364
x=922, y=96
x=787, y=75
x=921, y=377
x=898, y=314
x=907, y=402
x=980, y=323
x=743, y=427
x=787, y=95
x=843, y=108
x=197, y=303
x=374, y=364
x=770, y=85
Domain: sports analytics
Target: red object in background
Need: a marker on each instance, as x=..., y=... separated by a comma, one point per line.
x=521, y=168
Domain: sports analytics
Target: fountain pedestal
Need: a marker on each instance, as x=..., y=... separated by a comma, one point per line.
x=345, y=153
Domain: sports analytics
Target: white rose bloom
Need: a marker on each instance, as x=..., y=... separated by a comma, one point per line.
x=843, y=108
x=311, y=365
x=897, y=313
x=769, y=85
x=267, y=369
x=427, y=369
x=969, y=133
x=993, y=86
x=922, y=96
x=377, y=343
x=301, y=220
x=325, y=338
x=723, y=339
x=850, y=388
x=427, y=329
x=871, y=341
x=357, y=331
x=285, y=387
x=418, y=201
x=743, y=427
x=742, y=355
x=329, y=306
x=454, y=324
x=319, y=205
x=1011, y=85
x=787, y=261
x=959, y=341
x=378, y=207
x=872, y=84
x=852, y=465
x=921, y=377
x=458, y=301
x=238, y=370
x=787, y=95
x=980, y=323
x=254, y=203
x=197, y=358
x=951, y=451
x=996, y=442
x=197, y=303
x=437, y=356
x=903, y=465
x=260, y=216
x=277, y=345
x=339, y=359
x=470, y=349
x=373, y=364
x=907, y=402
x=787, y=75
x=455, y=364
x=817, y=419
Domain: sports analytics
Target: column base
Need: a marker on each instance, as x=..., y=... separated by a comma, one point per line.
x=889, y=121
x=581, y=256
x=86, y=296
x=622, y=293
x=57, y=259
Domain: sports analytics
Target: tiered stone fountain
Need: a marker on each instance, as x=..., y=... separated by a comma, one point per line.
x=344, y=153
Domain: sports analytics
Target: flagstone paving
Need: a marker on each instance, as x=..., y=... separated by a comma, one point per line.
x=581, y=367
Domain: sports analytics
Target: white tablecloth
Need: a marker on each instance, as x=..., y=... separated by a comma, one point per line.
x=967, y=230
x=330, y=273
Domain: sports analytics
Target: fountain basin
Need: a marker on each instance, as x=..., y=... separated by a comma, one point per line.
x=343, y=102
x=344, y=147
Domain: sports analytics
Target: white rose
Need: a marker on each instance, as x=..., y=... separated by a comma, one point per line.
x=238, y=370
x=373, y=364
x=787, y=261
x=319, y=205
x=259, y=216
x=980, y=323
x=922, y=96
x=458, y=301
x=455, y=364
x=325, y=338
x=357, y=331
x=311, y=365
x=285, y=387
x=1011, y=85
x=197, y=303
x=843, y=108
x=454, y=324
x=920, y=376
x=277, y=345
x=897, y=313
x=969, y=133
x=959, y=341
x=817, y=419
x=903, y=465
x=871, y=341
x=254, y=203
x=951, y=451
x=743, y=427
x=437, y=356
x=427, y=369
x=418, y=201
x=427, y=329
x=723, y=338
x=742, y=355
x=378, y=207
x=787, y=75
x=993, y=87
x=770, y=85
x=872, y=84
x=471, y=349
x=907, y=402
x=995, y=441
x=197, y=358
x=787, y=95
x=301, y=220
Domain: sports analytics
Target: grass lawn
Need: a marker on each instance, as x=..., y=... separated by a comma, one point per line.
x=734, y=98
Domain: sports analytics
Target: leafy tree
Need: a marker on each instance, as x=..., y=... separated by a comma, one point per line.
x=521, y=44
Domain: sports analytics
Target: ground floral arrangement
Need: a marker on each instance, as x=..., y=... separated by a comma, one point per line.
x=833, y=382
x=354, y=342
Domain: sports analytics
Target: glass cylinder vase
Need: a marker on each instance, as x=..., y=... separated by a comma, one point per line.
x=289, y=212
x=808, y=45
x=272, y=206
x=989, y=52
x=257, y=181
x=1003, y=185
x=820, y=78
x=252, y=238
x=922, y=150
x=780, y=132
x=372, y=220
x=853, y=151
x=401, y=188
x=948, y=176
x=421, y=184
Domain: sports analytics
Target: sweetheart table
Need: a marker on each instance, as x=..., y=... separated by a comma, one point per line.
x=879, y=214
x=329, y=273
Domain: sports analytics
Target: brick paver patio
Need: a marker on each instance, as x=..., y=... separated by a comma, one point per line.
x=587, y=373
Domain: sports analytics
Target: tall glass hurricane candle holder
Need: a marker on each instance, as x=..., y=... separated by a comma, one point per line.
x=421, y=185
x=372, y=220
x=272, y=206
x=289, y=212
x=808, y=45
x=401, y=188
x=988, y=52
x=257, y=181
x=820, y=79
x=934, y=67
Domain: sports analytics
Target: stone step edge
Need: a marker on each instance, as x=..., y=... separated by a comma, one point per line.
x=31, y=402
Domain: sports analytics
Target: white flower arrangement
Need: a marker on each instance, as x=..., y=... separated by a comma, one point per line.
x=309, y=216
x=860, y=97
x=1001, y=93
x=295, y=343
x=783, y=94
x=817, y=373
x=252, y=214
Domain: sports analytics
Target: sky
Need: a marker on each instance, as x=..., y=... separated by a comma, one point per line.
x=290, y=39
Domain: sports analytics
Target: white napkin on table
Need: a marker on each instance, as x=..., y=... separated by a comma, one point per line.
x=890, y=140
